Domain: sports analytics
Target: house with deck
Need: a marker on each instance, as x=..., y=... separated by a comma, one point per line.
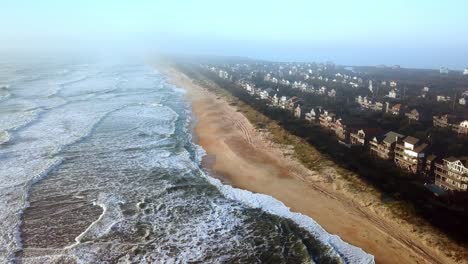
x=457, y=124
x=410, y=154
x=452, y=174
x=383, y=147
x=311, y=116
x=362, y=136
x=413, y=115
x=326, y=119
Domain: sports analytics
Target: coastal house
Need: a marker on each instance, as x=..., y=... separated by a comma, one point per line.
x=457, y=124
x=283, y=102
x=413, y=115
x=396, y=109
x=223, y=74
x=452, y=174
x=361, y=137
x=340, y=129
x=384, y=146
x=377, y=106
x=392, y=94
x=462, y=101
x=463, y=128
x=264, y=95
x=443, y=98
x=429, y=168
x=293, y=102
x=326, y=119
x=275, y=100
x=322, y=90
x=443, y=120
x=344, y=126
x=297, y=111
x=410, y=154
x=311, y=116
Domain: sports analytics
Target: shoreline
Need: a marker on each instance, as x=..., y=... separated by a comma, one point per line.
x=241, y=156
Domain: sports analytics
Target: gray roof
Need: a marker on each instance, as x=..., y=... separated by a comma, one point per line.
x=420, y=148
x=391, y=137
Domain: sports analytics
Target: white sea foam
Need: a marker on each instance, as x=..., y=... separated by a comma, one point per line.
x=348, y=253
x=4, y=137
x=34, y=154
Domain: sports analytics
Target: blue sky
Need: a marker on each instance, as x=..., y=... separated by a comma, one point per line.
x=414, y=33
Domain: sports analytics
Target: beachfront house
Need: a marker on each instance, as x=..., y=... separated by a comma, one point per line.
x=361, y=137
x=297, y=111
x=383, y=147
x=396, y=109
x=455, y=123
x=311, y=116
x=410, y=154
x=452, y=174
x=326, y=119
x=413, y=115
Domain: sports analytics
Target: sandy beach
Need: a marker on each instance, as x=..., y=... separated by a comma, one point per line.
x=243, y=157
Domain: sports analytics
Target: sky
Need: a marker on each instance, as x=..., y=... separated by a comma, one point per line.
x=417, y=33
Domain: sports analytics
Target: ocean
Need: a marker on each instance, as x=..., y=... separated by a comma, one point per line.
x=98, y=165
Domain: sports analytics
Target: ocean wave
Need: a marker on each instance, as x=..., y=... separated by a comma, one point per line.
x=348, y=253
x=4, y=137
x=37, y=160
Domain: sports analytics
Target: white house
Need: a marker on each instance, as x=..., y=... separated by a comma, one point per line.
x=462, y=101
x=322, y=90
x=263, y=95
x=311, y=116
x=444, y=70
x=297, y=111
x=392, y=93
x=275, y=100
x=443, y=98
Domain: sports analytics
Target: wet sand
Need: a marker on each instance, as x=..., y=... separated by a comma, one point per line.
x=240, y=155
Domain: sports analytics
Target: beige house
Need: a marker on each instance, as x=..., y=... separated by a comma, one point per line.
x=413, y=115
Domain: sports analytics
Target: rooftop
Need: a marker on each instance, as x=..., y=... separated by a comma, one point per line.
x=411, y=140
x=391, y=137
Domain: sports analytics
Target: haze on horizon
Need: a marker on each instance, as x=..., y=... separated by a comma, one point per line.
x=418, y=34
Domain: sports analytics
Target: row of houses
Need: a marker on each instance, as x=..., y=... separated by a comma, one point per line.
x=456, y=123
x=408, y=153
